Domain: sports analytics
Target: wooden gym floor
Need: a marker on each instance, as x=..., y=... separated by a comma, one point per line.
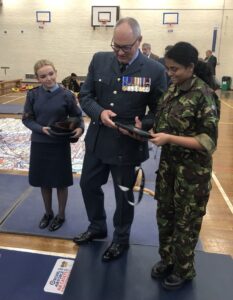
x=217, y=230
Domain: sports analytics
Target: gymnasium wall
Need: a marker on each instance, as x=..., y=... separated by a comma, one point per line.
x=70, y=41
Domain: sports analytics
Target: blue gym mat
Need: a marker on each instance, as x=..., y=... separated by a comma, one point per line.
x=129, y=277
x=24, y=275
x=11, y=108
x=13, y=190
x=25, y=218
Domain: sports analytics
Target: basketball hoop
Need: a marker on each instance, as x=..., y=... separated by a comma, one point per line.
x=103, y=23
x=41, y=25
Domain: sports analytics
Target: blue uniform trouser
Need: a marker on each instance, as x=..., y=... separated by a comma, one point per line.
x=95, y=173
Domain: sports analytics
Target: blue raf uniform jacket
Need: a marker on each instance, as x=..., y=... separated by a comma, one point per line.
x=129, y=95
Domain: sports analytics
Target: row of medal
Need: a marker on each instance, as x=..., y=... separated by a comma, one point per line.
x=136, y=84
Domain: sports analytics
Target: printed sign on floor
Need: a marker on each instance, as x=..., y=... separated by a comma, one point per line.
x=59, y=276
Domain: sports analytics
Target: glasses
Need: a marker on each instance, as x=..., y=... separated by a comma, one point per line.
x=125, y=48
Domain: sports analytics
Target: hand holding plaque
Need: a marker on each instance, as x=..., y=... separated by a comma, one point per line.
x=134, y=130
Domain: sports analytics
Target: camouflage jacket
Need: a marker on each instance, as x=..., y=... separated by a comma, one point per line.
x=192, y=110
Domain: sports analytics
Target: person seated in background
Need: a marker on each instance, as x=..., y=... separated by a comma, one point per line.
x=71, y=83
x=146, y=50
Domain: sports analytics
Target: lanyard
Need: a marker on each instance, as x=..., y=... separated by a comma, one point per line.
x=139, y=176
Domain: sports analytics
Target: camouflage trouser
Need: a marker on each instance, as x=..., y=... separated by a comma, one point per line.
x=182, y=191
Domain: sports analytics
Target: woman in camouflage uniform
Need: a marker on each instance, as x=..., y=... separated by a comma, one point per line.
x=186, y=127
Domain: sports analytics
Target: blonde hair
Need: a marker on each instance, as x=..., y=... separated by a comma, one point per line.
x=41, y=63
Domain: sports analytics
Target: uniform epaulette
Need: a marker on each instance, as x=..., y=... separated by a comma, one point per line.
x=62, y=86
x=34, y=88
x=67, y=91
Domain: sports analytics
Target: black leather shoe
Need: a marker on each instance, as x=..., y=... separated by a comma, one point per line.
x=114, y=251
x=56, y=223
x=174, y=282
x=161, y=270
x=44, y=222
x=88, y=236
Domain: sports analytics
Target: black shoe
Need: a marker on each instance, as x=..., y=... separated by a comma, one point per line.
x=174, y=282
x=88, y=236
x=161, y=270
x=114, y=251
x=56, y=223
x=44, y=222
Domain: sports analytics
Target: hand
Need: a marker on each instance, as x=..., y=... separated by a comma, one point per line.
x=77, y=133
x=106, y=118
x=138, y=124
x=46, y=130
x=159, y=139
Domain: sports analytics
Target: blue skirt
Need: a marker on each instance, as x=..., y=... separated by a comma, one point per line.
x=50, y=165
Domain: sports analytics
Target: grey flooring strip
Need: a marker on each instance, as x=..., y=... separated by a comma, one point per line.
x=18, y=201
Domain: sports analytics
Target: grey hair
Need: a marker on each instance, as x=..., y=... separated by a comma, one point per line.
x=146, y=45
x=132, y=23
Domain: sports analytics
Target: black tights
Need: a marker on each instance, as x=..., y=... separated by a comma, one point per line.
x=62, y=195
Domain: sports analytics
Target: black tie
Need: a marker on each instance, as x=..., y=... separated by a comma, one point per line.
x=123, y=67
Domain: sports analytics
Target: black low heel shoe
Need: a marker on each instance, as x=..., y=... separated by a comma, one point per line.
x=44, y=222
x=88, y=236
x=56, y=223
x=114, y=251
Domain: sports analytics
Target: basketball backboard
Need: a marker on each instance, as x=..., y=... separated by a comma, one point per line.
x=170, y=18
x=107, y=14
x=43, y=16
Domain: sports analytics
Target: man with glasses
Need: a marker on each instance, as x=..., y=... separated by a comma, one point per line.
x=120, y=86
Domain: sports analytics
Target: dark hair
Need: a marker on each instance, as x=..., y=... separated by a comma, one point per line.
x=168, y=47
x=73, y=74
x=185, y=54
x=203, y=71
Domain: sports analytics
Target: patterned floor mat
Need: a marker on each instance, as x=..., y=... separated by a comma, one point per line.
x=15, y=147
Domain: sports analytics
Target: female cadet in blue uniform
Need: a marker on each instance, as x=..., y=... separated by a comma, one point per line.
x=186, y=126
x=112, y=91
x=50, y=157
